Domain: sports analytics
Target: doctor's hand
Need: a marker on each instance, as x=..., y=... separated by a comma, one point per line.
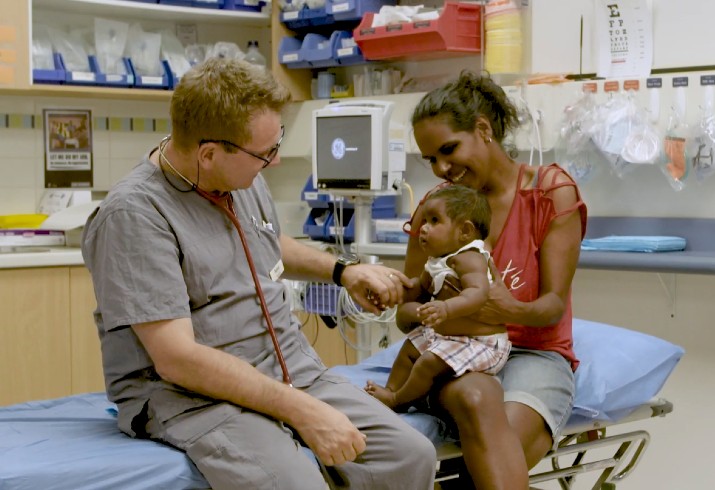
x=331, y=436
x=375, y=287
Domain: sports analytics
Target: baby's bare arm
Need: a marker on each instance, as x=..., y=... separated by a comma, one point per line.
x=471, y=267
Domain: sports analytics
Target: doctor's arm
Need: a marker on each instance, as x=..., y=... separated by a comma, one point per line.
x=179, y=359
x=309, y=264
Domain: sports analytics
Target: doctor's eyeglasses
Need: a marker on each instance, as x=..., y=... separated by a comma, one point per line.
x=266, y=159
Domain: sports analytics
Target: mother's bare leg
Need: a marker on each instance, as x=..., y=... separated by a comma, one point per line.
x=492, y=449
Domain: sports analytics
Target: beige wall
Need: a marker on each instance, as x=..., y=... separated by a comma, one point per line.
x=22, y=150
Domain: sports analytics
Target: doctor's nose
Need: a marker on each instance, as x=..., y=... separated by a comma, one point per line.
x=276, y=161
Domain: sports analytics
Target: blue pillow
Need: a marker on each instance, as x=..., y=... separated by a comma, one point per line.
x=620, y=369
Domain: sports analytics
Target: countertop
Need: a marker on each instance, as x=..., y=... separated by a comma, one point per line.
x=687, y=262
x=48, y=257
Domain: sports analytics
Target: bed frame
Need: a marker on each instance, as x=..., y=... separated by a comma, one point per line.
x=76, y=438
x=579, y=438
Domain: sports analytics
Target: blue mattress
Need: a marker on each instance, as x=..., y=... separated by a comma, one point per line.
x=73, y=443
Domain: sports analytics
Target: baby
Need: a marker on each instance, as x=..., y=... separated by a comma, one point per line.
x=455, y=222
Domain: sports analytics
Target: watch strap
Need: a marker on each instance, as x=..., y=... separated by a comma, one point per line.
x=340, y=265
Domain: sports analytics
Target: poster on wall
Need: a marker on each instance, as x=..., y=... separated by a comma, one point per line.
x=624, y=38
x=68, y=148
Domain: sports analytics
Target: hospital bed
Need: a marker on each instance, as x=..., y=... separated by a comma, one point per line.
x=73, y=442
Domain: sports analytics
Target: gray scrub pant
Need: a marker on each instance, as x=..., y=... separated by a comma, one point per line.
x=246, y=450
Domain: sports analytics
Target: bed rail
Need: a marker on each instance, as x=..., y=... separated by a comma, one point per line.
x=622, y=452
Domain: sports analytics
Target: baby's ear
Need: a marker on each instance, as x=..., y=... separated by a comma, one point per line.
x=469, y=231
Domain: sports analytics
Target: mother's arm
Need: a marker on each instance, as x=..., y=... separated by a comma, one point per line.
x=558, y=258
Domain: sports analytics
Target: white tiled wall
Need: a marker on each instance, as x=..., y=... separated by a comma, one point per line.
x=22, y=151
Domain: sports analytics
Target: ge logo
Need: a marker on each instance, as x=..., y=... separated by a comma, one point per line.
x=338, y=148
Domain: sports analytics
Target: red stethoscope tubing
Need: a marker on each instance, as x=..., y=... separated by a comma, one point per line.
x=227, y=208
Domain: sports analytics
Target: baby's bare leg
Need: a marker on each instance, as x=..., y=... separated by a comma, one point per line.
x=401, y=368
x=426, y=369
x=417, y=384
x=403, y=365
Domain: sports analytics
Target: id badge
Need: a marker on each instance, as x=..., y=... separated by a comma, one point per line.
x=277, y=270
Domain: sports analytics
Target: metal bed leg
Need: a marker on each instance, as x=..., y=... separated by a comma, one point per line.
x=613, y=469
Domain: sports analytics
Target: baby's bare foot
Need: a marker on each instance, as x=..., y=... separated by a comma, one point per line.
x=381, y=393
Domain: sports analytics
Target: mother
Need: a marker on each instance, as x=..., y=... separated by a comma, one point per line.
x=538, y=221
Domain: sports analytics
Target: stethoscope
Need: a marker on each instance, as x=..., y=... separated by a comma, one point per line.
x=225, y=204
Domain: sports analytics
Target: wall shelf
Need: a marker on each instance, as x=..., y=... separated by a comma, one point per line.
x=128, y=8
x=84, y=91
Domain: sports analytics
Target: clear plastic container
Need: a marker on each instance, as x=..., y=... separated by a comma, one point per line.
x=254, y=56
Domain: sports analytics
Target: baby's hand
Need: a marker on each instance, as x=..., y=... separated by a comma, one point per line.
x=433, y=313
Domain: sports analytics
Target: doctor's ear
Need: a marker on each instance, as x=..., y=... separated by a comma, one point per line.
x=205, y=151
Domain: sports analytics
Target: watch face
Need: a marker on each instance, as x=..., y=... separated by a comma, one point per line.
x=349, y=259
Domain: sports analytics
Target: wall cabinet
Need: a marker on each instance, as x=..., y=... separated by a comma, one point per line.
x=456, y=37
x=49, y=345
x=48, y=342
x=17, y=17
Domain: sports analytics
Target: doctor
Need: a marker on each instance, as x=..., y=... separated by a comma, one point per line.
x=189, y=355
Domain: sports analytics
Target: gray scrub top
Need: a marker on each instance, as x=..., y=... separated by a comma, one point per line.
x=159, y=252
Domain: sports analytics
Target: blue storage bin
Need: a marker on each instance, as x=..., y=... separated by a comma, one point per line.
x=317, y=51
x=208, y=4
x=56, y=75
x=113, y=80
x=317, y=17
x=81, y=77
x=354, y=9
x=350, y=55
x=290, y=54
x=310, y=195
x=248, y=5
x=322, y=52
x=178, y=3
x=384, y=207
x=163, y=82
x=348, y=229
x=321, y=299
x=306, y=17
x=312, y=227
x=293, y=19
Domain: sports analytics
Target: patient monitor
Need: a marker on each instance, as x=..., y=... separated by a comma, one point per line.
x=352, y=149
x=358, y=155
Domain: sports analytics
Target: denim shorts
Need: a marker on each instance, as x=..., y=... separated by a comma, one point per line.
x=543, y=381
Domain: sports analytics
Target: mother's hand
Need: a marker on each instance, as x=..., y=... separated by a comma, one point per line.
x=500, y=303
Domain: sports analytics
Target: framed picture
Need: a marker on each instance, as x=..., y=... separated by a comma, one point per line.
x=68, y=148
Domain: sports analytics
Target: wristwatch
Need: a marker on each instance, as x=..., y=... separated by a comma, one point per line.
x=343, y=261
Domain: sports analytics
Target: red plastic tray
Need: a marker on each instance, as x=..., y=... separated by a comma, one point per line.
x=457, y=30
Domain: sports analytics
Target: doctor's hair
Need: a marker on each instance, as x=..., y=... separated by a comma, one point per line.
x=217, y=99
x=463, y=203
x=462, y=101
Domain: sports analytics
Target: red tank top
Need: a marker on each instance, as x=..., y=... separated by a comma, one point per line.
x=516, y=254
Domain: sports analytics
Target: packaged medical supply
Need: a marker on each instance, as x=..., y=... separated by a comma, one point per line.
x=29, y=238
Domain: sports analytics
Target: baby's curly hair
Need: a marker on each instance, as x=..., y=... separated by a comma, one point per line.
x=463, y=203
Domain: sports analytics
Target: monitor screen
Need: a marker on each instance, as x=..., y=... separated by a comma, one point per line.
x=343, y=151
